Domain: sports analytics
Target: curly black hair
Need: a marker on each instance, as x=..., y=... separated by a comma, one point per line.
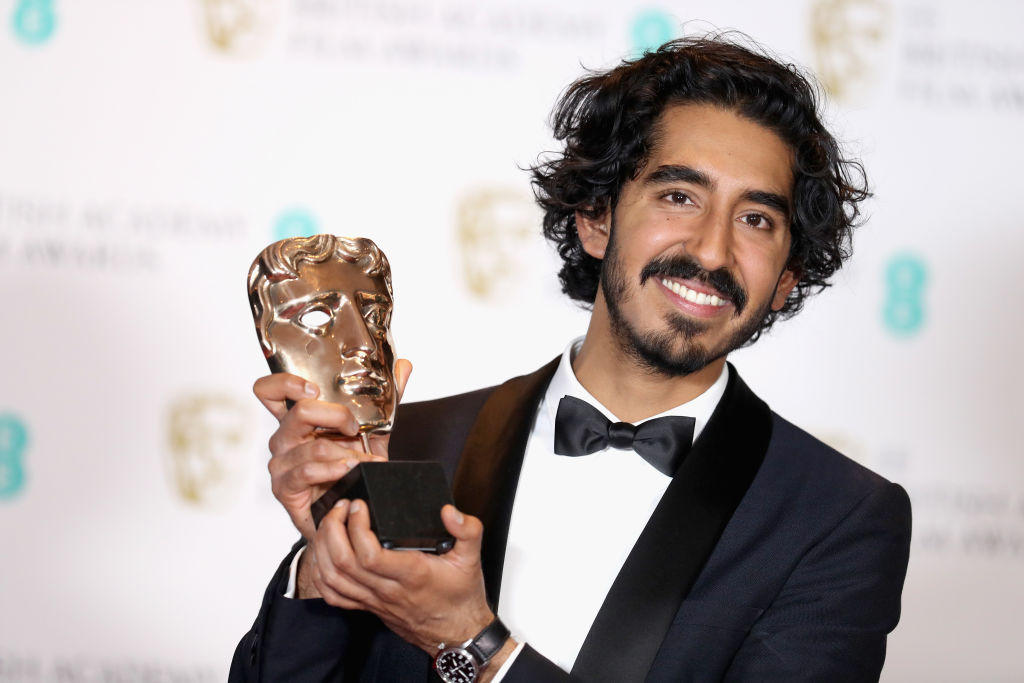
x=607, y=121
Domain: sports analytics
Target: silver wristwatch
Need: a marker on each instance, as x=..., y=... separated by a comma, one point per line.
x=463, y=663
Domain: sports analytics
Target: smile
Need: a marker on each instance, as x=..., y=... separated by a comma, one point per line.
x=693, y=296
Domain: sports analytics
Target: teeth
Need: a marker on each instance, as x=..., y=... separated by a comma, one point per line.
x=699, y=298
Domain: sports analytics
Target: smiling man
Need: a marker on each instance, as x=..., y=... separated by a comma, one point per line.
x=695, y=254
x=632, y=511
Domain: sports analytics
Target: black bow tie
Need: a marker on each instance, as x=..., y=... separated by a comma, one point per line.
x=581, y=429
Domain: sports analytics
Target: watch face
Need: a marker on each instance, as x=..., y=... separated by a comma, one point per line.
x=455, y=665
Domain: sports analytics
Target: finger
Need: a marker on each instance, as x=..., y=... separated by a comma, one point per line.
x=403, y=368
x=364, y=542
x=316, y=450
x=337, y=591
x=312, y=474
x=338, y=566
x=298, y=424
x=274, y=390
x=385, y=572
x=468, y=532
x=311, y=413
x=333, y=597
x=382, y=567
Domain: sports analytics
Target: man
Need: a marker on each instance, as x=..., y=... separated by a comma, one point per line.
x=697, y=200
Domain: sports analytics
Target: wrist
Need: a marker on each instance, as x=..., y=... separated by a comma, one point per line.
x=474, y=659
x=304, y=587
x=498, y=660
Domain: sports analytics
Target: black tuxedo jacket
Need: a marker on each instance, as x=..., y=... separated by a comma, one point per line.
x=771, y=557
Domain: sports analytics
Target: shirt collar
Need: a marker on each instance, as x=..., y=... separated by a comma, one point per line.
x=564, y=383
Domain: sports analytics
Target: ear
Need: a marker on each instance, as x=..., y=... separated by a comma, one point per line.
x=787, y=281
x=594, y=233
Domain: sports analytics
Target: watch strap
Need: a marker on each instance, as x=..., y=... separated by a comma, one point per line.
x=487, y=643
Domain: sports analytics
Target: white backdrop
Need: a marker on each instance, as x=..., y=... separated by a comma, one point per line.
x=148, y=151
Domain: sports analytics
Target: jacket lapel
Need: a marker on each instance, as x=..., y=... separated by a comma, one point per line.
x=678, y=539
x=488, y=472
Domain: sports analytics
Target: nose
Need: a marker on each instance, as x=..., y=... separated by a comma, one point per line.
x=711, y=241
x=351, y=334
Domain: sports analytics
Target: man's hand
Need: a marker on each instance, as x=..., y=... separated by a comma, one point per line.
x=301, y=465
x=426, y=599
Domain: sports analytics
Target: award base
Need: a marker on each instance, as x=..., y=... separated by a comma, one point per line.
x=404, y=499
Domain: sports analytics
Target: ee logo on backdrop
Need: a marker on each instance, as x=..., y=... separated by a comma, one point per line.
x=13, y=441
x=905, y=280
x=295, y=222
x=651, y=29
x=34, y=21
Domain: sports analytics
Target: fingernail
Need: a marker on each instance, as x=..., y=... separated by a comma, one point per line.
x=459, y=518
x=341, y=504
x=310, y=389
x=356, y=507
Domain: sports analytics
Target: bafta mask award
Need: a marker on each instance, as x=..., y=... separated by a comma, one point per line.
x=322, y=308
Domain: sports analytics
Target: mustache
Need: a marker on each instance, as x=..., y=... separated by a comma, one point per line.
x=685, y=268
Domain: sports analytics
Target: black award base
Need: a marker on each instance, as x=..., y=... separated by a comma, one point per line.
x=404, y=498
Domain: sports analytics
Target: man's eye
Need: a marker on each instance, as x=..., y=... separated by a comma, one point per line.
x=677, y=197
x=757, y=220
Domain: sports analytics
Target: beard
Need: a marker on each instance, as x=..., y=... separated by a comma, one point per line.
x=673, y=352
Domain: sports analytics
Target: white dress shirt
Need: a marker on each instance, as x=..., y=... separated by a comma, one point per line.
x=574, y=522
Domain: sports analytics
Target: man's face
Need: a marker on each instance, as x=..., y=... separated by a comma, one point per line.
x=695, y=252
x=332, y=327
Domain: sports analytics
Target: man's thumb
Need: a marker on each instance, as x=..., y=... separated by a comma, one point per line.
x=467, y=530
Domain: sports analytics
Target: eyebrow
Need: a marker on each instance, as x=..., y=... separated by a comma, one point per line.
x=770, y=199
x=679, y=173
x=685, y=174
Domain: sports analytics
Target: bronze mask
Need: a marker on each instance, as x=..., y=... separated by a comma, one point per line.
x=322, y=308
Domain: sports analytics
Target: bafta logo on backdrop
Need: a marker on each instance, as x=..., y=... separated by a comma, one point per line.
x=239, y=27
x=495, y=227
x=848, y=37
x=206, y=441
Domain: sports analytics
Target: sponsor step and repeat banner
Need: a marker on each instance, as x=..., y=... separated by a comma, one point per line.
x=150, y=150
